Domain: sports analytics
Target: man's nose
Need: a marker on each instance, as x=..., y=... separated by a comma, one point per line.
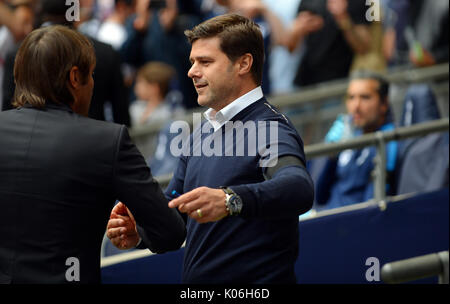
x=356, y=103
x=193, y=72
x=359, y=103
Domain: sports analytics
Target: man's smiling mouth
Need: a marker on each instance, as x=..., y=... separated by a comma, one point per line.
x=199, y=86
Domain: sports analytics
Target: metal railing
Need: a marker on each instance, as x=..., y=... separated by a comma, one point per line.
x=377, y=139
x=425, y=266
x=338, y=88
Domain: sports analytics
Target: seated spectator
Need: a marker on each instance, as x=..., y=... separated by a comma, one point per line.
x=157, y=103
x=346, y=179
x=152, y=87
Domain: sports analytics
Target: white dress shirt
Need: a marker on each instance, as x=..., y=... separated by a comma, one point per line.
x=218, y=119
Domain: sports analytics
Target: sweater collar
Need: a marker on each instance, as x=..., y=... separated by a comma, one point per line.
x=218, y=119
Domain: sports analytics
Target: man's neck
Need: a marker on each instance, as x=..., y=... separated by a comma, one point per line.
x=374, y=128
x=243, y=90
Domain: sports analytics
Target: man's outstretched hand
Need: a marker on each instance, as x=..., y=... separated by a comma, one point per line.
x=202, y=204
x=121, y=228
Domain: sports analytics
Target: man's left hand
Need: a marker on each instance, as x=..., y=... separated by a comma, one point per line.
x=202, y=204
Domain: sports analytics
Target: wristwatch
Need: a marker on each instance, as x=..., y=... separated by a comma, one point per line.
x=233, y=202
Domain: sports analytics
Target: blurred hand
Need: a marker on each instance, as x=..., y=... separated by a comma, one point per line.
x=168, y=15
x=338, y=8
x=121, y=228
x=388, y=44
x=142, y=15
x=421, y=58
x=249, y=8
x=202, y=204
x=307, y=23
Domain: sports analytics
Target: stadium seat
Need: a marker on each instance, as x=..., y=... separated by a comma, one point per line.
x=424, y=161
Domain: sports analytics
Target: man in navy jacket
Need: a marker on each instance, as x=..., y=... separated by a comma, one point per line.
x=242, y=176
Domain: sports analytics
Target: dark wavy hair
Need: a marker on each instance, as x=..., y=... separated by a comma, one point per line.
x=43, y=63
x=238, y=36
x=383, y=84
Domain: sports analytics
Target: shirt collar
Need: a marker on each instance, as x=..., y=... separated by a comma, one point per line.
x=218, y=119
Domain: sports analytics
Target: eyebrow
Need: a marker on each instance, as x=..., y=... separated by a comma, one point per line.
x=364, y=95
x=191, y=59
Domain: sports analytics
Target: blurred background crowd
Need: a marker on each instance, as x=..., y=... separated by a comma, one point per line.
x=307, y=41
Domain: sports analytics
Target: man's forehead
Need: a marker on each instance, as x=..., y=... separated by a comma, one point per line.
x=205, y=45
x=364, y=83
x=215, y=40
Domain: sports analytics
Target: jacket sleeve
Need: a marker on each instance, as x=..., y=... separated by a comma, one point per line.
x=290, y=190
x=289, y=193
x=161, y=228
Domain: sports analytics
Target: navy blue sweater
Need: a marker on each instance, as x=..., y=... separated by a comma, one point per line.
x=261, y=244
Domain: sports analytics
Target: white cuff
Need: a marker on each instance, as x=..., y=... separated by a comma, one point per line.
x=138, y=243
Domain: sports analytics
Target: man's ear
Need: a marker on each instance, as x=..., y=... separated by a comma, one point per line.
x=245, y=64
x=74, y=78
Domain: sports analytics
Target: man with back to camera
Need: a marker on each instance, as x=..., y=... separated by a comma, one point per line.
x=61, y=172
x=346, y=179
x=246, y=232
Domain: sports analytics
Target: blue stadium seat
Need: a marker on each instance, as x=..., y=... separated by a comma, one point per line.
x=163, y=161
x=424, y=161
